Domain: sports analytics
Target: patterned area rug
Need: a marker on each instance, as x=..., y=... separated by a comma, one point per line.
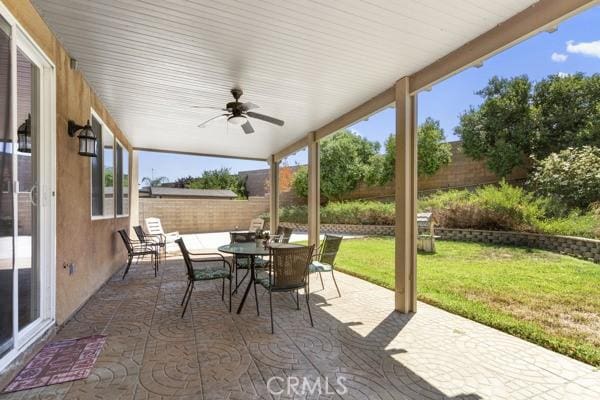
x=58, y=362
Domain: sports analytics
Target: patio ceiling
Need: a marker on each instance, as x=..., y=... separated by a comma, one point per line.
x=304, y=62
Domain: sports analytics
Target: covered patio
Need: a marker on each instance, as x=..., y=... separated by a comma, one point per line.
x=147, y=63
x=358, y=349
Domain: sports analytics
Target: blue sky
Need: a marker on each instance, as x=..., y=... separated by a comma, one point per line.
x=574, y=47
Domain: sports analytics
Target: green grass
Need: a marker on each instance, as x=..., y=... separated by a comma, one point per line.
x=546, y=298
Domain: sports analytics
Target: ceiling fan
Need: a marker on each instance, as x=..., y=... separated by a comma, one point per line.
x=237, y=113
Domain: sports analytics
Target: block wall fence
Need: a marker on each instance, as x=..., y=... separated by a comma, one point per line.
x=202, y=215
x=462, y=172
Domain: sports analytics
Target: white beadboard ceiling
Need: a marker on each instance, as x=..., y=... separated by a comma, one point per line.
x=306, y=62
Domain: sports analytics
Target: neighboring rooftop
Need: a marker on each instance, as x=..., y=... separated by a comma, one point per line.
x=157, y=191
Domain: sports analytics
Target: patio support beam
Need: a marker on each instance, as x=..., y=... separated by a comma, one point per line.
x=134, y=195
x=406, y=197
x=314, y=192
x=274, y=195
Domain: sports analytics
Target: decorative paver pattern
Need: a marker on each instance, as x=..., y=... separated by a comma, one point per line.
x=359, y=348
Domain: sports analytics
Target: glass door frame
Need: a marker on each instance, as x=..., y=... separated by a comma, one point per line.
x=45, y=105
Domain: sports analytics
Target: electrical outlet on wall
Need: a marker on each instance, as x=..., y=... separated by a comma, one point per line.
x=70, y=267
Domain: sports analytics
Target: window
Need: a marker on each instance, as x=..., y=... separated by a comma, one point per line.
x=103, y=182
x=122, y=180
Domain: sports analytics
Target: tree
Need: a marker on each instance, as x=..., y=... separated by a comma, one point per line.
x=572, y=176
x=286, y=175
x=567, y=111
x=300, y=182
x=501, y=130
x=183, y=182
x=518, y=119
x=220, y=179
x=154, y=182
x=346, y=159
x=432, y=152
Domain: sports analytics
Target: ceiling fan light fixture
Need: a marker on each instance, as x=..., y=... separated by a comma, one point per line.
x=237, y=120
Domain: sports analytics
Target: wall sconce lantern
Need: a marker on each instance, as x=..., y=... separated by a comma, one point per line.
x=87, y=138
x=24, y=136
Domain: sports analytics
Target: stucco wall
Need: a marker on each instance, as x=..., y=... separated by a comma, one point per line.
x=203, y=215
x=91, y=245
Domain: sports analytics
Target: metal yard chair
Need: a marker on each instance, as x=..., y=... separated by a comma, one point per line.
x=287, y=272
x=283, y=234
x=324, y=260
x=136, y=248
x=215, y=266
x=157, y=241
x=241, y=262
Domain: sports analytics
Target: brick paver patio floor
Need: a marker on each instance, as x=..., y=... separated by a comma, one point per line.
x=359, y=347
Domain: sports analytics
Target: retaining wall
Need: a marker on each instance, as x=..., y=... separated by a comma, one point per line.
x=588, y=249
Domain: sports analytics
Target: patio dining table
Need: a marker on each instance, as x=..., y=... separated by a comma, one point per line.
x=252, y=250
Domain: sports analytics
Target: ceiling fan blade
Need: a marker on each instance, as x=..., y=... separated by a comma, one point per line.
x=249, y=106
x=208, y=108
x=265, y=118
x=210, y=120
x=247, y=127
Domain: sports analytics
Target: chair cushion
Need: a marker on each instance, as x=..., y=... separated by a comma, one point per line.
x=210, y=273
x=262, y=277
x=244, y=263
x=317, y=266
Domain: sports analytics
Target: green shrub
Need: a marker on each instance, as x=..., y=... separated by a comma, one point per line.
x=351, y=212
x=582, y=225
x=572, y=176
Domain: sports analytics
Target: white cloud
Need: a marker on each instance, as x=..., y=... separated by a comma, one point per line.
x=558, y=57
x=590, y=49
x=563, y=74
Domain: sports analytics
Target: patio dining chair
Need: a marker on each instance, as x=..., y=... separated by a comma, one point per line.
x=287, y=272
x=283, y=234
x=136, y=248
x=157, y=241
x=243, y=263
x=211, y=266
x=324, y=260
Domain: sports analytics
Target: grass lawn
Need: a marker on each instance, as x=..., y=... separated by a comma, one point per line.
x=546, y=298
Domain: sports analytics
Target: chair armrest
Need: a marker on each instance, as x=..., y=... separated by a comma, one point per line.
x=172, y=234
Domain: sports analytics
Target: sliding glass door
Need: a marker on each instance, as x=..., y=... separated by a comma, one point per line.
x=6, y=196
x=27, y=233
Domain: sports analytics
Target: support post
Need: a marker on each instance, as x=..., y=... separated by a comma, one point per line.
x=274, y=195
x=314, y=191
x=134, y=195
x=406, y=198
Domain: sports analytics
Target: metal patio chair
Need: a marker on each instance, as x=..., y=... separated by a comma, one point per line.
x=287, y=272
x=283, y=234
x=157, y=241
x=214, y=267
x=136, y=248
x=324, y=260
x=243, y=263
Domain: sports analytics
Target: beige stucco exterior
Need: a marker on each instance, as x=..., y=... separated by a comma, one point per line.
x=90, y=244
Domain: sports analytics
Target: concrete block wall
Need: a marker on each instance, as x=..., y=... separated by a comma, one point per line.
x=202, y=215
x=587, y=249
x=463, y=172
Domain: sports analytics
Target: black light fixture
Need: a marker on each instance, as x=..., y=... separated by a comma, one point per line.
x=87, y=138
x=24, y=136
